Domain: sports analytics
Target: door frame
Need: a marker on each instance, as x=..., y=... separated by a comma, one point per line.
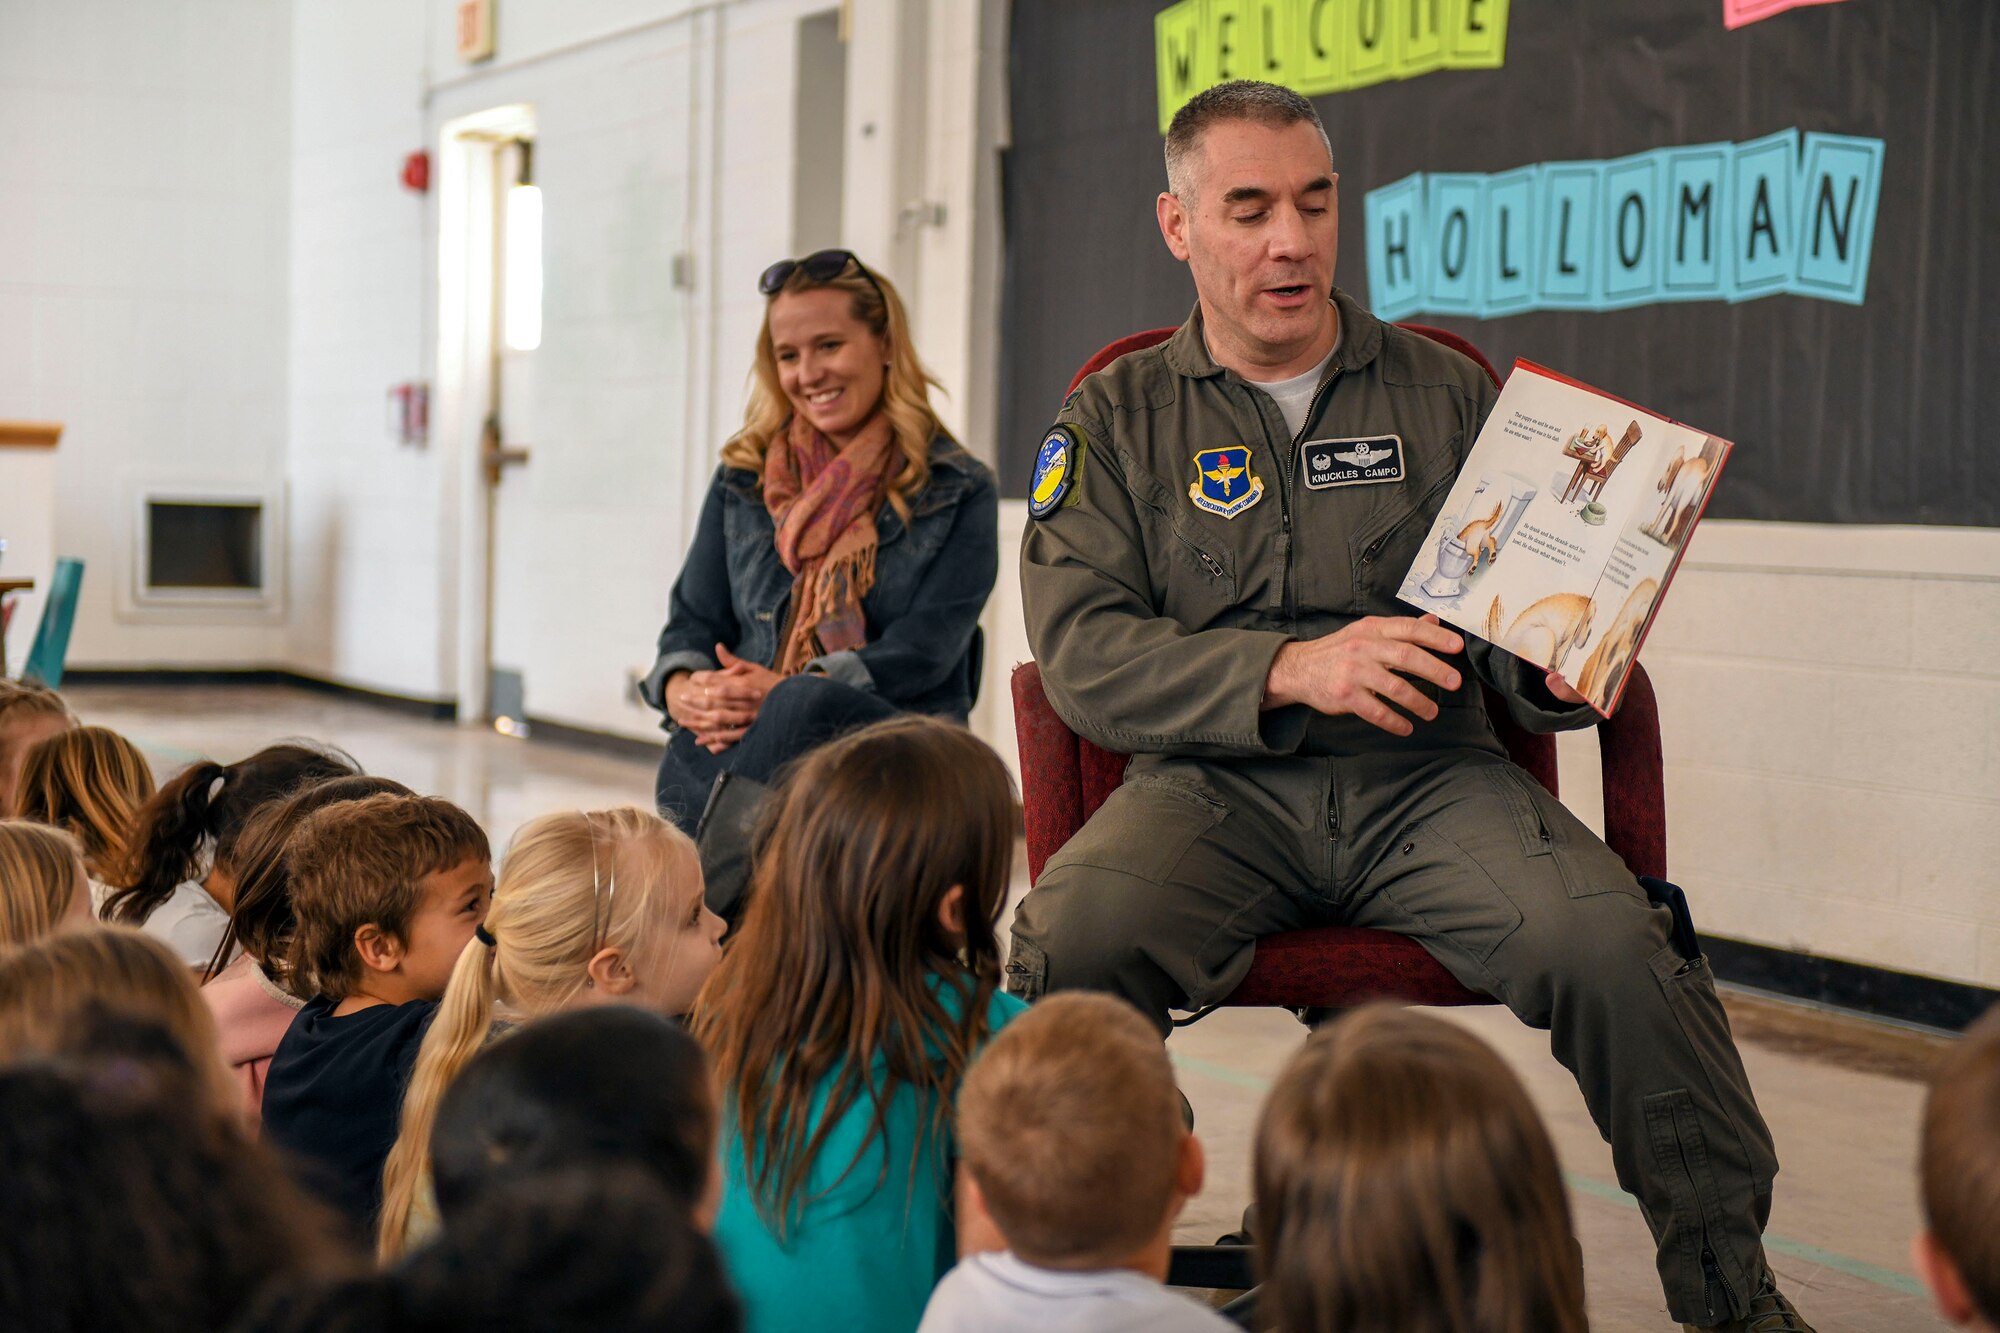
x=468, y=318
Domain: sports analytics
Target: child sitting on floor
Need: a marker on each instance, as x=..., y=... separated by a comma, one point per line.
x=29, y=714
x=133, y=1204
x=90, y=782
x=249, y=987
x=1404, y=1181
x=1074, y=1150
x=1959, y=1168
x=180, y=881
x=601, y=1251
x=388, y=891
x=592, y=908
x=592, y=1090
x=42, y=886
x=50, y=989
x=863, y=980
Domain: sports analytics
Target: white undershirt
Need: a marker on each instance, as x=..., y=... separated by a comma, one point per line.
x=1294, y=396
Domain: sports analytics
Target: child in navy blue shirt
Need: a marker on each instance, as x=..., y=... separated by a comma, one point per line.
x=388, y=891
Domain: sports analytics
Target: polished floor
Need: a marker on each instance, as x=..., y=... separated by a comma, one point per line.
x=1842, y=1095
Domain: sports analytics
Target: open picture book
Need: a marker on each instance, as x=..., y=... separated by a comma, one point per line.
x=1564, y=528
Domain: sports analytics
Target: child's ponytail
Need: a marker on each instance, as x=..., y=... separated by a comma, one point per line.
x=168, y=844
x=204, y=809
x=573, y=882
x=457, y=1032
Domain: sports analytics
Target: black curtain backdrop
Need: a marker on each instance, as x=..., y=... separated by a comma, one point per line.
x=1887, y=412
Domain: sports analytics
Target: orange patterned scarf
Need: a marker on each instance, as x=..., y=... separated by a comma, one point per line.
x=823, y=500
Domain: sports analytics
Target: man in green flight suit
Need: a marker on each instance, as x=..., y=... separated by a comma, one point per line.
x=1220, y=527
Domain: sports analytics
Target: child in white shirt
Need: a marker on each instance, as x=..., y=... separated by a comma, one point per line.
x=1074, y=1154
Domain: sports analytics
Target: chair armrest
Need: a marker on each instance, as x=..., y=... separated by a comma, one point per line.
x=1635, y=789
x=1051, y=770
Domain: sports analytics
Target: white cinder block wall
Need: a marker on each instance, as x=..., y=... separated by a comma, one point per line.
x=369, y=549
x=1831, y=714
x=144, y=177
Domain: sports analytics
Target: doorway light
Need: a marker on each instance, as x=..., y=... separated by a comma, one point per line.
x=523, y=280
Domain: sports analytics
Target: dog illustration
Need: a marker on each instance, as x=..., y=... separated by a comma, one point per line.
x=1605, y=667
x=1546, y=632
x=1681, y=485
x=1477, y=537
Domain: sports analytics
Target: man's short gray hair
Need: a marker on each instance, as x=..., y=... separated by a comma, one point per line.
x=1239, y=99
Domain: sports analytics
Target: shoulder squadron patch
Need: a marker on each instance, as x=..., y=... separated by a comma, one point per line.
x=1224, y=483
x=1055, y=470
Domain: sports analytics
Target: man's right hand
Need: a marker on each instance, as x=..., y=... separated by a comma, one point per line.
x=1354, y=670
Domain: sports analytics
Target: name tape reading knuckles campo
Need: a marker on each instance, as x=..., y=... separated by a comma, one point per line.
x=1355, y=462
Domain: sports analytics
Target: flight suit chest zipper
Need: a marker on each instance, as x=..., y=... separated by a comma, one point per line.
x=1285, y=466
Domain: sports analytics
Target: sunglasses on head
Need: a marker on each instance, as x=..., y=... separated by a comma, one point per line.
x=819, y=266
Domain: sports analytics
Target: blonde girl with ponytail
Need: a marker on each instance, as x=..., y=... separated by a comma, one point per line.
x=591, y=907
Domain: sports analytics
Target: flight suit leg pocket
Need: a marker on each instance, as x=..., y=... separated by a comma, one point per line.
x=1547, y=829
x=1448, y=891
x=1145, y=828
x=1689, y=987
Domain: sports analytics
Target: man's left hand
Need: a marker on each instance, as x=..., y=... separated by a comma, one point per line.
x=1561, y=690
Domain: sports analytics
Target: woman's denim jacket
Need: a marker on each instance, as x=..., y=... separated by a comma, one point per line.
x=932, y=578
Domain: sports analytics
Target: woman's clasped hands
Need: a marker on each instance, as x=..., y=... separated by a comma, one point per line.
x=719, y=706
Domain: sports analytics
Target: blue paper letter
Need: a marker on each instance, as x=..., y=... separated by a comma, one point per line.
x=1838, y=192
x=1399, y=261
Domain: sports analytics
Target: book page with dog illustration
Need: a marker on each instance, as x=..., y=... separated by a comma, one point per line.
x=1564, y=527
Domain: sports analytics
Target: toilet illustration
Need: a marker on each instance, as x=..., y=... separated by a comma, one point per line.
x=1454, y=558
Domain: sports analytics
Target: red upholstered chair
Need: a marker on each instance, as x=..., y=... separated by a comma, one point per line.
x=1064, y=778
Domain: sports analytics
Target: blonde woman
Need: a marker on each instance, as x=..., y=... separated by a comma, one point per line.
x=90, y=782
x=42, y=885
x=843, y=555
x=591, y=907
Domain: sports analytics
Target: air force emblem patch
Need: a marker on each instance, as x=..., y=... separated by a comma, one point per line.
x=1331, y=463
x=1224, y=483
x=1055, y=469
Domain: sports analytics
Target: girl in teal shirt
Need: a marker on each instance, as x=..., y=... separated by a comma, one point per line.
x=864, y=979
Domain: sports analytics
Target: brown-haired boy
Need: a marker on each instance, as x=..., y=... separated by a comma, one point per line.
x=1959, y=1165
x=29, y=714
x=387, y=891
x=1075, y=1152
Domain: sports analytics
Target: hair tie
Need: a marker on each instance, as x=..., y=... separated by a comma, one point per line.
x=484, y=936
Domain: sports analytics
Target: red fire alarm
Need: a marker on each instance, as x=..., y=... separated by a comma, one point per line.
x=417, y=171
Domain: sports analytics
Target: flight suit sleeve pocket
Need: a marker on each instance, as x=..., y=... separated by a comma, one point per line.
x=1145, y=829
x=1027, y=970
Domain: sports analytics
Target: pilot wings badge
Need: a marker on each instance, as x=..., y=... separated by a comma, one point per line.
x=1224, y=483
